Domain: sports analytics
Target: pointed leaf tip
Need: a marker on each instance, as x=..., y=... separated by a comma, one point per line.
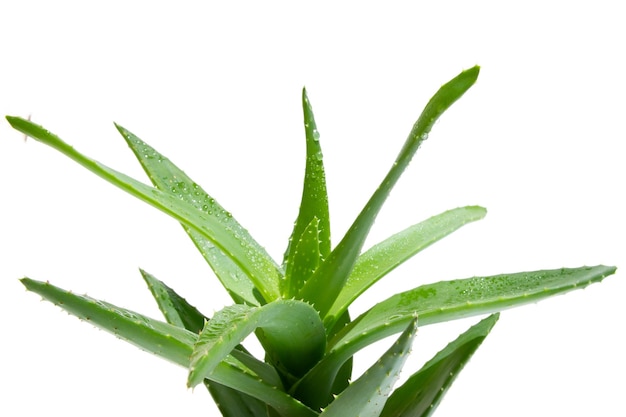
x=422, y=392
x=367, y=395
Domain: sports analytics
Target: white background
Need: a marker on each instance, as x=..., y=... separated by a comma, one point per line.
x=539, y=141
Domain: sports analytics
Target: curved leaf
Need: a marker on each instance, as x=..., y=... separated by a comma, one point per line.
x=422, y=392
x=180, y=313
x=325, y=285
x=445, y=301
x=167, y=177
x=233, y=403
x=456, y=299
x=320, y=385
x=176, y=310
x=162, y=339
x=166, y=341
x=232, y=377
x=382, y=258
x=238, y=246
x=313, y=205
x=366, y=396
x=293, y=336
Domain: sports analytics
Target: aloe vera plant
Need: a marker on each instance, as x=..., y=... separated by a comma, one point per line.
x=299, y=308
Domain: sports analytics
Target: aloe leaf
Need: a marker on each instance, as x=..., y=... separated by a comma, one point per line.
x=319, y=389
x=293, y=336
x=420, y=395
x=166, y=341
x=233, y=403
x=383, y=257
x=314, y=202
x=305, y=260
x=167, y=177
x=325, y=285
x=256, y=264
x=250, y=384
x=366, y=396
x=263, y=370
x=180, y=313
x=162, y=339
x=440, y=302
x=344, y=375
x=176, y=310
x=456, y=299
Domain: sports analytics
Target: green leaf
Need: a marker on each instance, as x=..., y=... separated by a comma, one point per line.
x=313, y=205
x=263, y=370
x=320, y=385
x=180, y=313
x=250, y=384
x=422, y=392
x=292, y=334
x=323, y=288
x=232, y=403
x=382, y=258
x=366, y=396
x=166, y=341
x=456, y=299
x=440, y=302
x=305, y=260
x=248, y=256
x=176, y=310
x=167, y=177
x=162, y=339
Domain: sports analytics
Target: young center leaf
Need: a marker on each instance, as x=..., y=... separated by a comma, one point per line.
x=300, y=259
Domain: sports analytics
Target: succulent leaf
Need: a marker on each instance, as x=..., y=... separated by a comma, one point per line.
x=257, y=265
x=456, y=299
x=167, y=177
x=233, y=377
x=293, y=336
x=233, y=403
x=383, y=257
x=333, y=273
x=440, y=302
x=305, y=260
x=422, y=392
x=313, y=204
x=180, y=313
x=366, y=396
x=263, y=370
x=166, y=341
x=176, y=310
x=162, y=339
